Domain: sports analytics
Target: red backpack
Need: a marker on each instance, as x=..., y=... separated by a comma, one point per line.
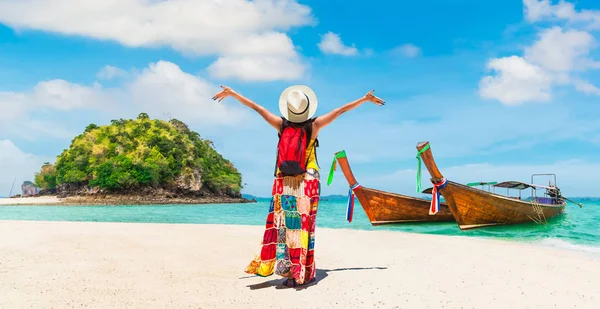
x=291, y=149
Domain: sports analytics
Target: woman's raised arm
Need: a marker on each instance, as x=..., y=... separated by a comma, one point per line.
x=325, y=120
x=271, y=118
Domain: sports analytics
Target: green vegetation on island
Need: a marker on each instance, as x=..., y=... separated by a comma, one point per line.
x=138, y=155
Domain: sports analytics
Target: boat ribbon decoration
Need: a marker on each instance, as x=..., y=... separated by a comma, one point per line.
x=435, y=196
x=338, y=155
x=419, y=167
x=350, y=208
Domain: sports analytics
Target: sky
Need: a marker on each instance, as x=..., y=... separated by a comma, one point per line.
x=502, y=89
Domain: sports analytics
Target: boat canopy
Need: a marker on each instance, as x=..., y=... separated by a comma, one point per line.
x=518, y=185
x=480, y=183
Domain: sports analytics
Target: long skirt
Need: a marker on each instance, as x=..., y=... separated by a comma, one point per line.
x=289, y=238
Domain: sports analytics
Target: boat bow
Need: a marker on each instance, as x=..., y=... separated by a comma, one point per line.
x=474, y=208
x=355, y=188
x=384, y=207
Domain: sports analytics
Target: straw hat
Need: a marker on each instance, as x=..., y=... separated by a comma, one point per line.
x=298, y=103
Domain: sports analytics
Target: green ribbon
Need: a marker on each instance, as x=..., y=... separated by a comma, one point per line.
x=338, y=155
x=419, y=167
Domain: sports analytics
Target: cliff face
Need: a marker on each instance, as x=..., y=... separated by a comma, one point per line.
x=141, y=157
x=28, y=188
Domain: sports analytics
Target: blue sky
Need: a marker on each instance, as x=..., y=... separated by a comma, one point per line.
x=502, y=89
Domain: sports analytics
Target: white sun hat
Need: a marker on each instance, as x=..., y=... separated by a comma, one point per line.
x=298, y=103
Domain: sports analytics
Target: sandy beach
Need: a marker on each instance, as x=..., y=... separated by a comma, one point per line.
x=133, y=265
x=38, y=200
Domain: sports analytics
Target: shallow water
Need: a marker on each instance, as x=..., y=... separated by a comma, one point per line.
x=577, y=229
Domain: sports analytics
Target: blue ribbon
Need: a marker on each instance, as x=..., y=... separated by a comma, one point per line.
x=350, y=208
x=436, y=191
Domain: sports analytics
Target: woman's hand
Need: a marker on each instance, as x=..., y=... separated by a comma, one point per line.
x=369, y=97
x=325, y=120
x=271, y=118
x=226, y=92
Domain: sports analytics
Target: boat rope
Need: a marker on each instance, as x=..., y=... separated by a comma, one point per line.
x=419, y=167
x=338, y=155
x=435, y=196
x=350, y=208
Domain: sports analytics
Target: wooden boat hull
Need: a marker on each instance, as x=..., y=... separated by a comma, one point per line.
x=474, y=208
x=384, y=207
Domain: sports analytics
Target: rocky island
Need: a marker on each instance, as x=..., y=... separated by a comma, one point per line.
x=141, y=161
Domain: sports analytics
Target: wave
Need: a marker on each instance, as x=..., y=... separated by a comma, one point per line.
x=562, y=244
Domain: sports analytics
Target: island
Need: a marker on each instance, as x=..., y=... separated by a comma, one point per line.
x=140, y=161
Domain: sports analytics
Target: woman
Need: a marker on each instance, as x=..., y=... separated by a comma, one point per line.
x=288, y=241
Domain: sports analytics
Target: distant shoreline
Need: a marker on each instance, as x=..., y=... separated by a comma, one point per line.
x=117, y=200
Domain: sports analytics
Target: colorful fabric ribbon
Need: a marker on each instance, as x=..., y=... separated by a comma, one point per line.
x=419, y=167
x=338, y=155
x=350, y=209
x=435, y=196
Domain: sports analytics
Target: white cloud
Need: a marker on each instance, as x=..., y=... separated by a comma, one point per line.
x=586, y=87
x=331, y=43
x=45, y=98
x=10, y=105
x=536, y=10
x=516, y=81
x=110, y=72
x=201, y=27
x=35, y=129
x=539, y=10
x=556, y=58
x=164, y=88
x=63, y=95
x=249, y=68
x=159, y=89
x=260, y=58
x=561, y=51
x=230, y=29
x=407, y=50
x=14, y=163
x=55, y=94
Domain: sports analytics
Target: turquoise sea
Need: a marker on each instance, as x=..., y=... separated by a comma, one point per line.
x=577, y=229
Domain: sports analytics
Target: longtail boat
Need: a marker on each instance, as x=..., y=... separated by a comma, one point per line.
x=474, y=208
x=384, y=207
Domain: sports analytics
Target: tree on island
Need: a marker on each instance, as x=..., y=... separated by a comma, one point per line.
x=129, y=155
x=46, y=178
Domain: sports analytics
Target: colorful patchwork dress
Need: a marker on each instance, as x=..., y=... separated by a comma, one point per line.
x=289, y=239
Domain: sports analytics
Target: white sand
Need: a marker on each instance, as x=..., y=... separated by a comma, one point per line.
x=40, y=200
x=122, y=265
